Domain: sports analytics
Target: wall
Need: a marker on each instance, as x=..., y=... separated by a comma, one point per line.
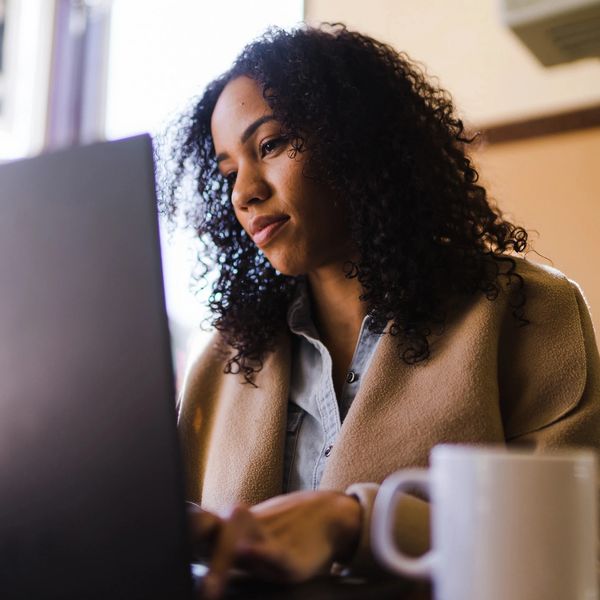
x=552, y=184
x=490, y=73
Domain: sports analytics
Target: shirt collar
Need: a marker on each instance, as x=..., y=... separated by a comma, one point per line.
x=299, y=317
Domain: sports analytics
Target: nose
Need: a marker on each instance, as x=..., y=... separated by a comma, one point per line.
x=249, y=188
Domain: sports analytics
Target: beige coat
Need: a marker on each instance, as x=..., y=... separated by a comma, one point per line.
x=487, y=381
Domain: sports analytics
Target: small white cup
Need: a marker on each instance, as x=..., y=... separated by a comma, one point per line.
x=506, y=525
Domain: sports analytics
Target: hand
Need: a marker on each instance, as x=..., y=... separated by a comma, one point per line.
x=288, y=538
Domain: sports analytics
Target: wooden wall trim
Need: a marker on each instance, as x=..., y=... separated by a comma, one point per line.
x=583, y=118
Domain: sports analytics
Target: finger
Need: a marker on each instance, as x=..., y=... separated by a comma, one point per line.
x=263, y=562
x=202, y=522
x=237, y=527
x=204, y=527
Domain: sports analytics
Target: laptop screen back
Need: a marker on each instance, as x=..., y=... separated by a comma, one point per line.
x=90, y=493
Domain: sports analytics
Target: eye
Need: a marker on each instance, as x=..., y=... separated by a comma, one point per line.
x=269, y=146
x=231, y=177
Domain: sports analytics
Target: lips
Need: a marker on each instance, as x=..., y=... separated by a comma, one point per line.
x=263, y=228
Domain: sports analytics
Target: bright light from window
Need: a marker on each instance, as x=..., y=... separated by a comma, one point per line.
x=161, y=54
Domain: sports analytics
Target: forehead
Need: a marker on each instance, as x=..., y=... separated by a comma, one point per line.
x=241, y=103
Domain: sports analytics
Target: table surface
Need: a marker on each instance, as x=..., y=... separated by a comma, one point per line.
x=329, y=588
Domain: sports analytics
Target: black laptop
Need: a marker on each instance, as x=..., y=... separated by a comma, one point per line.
x=91, y=502
x=91, y=497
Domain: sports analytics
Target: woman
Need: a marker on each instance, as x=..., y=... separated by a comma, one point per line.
x=369, y=305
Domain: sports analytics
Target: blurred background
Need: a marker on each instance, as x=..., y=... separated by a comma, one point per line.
x=524, y=73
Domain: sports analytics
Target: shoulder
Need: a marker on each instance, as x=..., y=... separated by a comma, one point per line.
x=554, y=310
x=204, y=370
x=543, y=296
x=533, y=305
x=554, y=304
x=206, y=376
x=542, y=364
x=545, y=285
x=532, y=342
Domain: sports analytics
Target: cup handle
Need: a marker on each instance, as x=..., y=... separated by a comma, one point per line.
x=382, y=524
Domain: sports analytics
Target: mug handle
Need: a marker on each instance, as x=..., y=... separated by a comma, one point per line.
x=382, y=524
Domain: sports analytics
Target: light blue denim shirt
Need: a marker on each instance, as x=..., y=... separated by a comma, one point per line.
x=315, y=415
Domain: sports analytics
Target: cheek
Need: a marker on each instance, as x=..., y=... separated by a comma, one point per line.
x=291, y=181
x=242, y=219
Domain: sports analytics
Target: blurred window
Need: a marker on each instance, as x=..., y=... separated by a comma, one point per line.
x=161, y=53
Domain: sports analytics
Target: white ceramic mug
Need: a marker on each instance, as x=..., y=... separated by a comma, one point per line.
x=506, y=525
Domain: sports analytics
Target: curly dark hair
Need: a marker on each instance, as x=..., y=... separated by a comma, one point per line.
x=387, y=142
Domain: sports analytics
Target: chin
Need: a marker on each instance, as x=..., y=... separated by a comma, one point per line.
x=289, y=271
x=287, y=265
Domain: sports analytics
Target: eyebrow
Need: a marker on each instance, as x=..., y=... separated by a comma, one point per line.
x=247, y=133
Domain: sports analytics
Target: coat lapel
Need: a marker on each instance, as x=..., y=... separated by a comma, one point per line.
x=487, y=380
x=245, y=458
x=401, y=411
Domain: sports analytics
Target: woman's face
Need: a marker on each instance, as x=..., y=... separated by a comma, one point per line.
x=290, y=217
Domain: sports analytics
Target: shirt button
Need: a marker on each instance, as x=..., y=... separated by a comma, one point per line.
x=351, y=377
x=328, y=450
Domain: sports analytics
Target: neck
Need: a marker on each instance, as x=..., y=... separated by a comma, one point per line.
x=338, y=312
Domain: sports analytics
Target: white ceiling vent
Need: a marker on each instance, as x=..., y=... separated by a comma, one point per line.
x=556, y=31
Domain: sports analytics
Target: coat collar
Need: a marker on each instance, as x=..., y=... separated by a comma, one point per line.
x=487, y=381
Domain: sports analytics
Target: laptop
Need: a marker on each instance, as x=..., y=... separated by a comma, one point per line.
x=91, y=497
